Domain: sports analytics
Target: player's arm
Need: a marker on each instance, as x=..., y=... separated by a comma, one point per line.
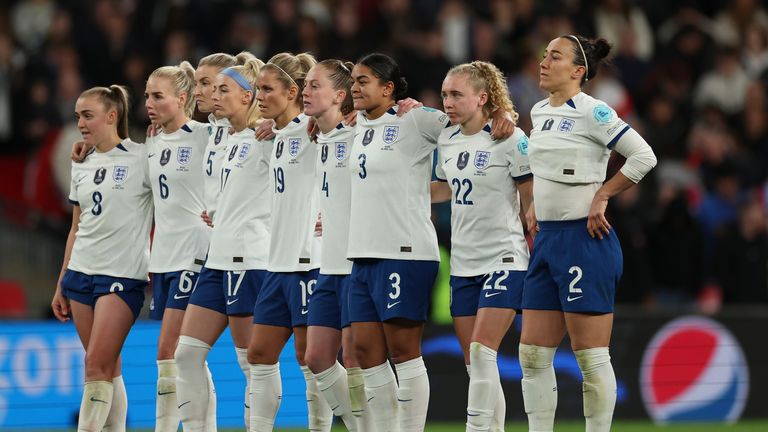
x=525, y=189
x=440, y=191
x=59, y=303
x=502, y=125
x=80, y=150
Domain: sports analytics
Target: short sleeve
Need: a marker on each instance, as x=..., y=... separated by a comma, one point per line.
x=73, y=187
x=604, y=125
x=430, y=123
x=517, y=156
x=439, y=172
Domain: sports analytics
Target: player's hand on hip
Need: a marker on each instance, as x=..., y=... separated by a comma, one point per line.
x=597, y=224
x=60, y=306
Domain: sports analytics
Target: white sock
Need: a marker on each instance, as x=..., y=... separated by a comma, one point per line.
x=166, y=411
x=242, y=360
x=192, y=383
x=499, y=411
x=412, y=394
x=266, y=395
x=210, y=413
x=484, y=384
x=94, y=408
x=381, y=393
x=358, y=400
x=118, y=412
x=320, y=413
x=335, y=389
x=539, y=386
x=599, y=387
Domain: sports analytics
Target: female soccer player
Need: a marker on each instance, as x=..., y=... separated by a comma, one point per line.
x=489, y=254
x=576, y=260
x=181, y=238
x=328, y=98
x=232, y=276
x=105, y=269
x=283, y=303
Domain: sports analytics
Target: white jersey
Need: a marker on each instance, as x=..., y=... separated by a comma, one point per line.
x=115, y=198
x=486, y=231
x=294, y=246
x=569, y=150
x=333, y=182
x=181, y=237
x=215, y=152
x=240, y=237
x=391, y=167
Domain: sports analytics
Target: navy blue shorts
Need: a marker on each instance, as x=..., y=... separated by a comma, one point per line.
x=499, y=289
x=330, y=302
x=571, y=271
x=171, y=290
x=86, y=289
x=384, y=289
x=228, y=292
x=284, y=301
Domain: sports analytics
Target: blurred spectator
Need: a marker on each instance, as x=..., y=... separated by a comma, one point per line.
x=30, y=20
x=720, y=205
x=738, y=15
x=742, y=254
x=666, y=127
x=524, y=89
x=725, y=86
x=754, y=54
x=628, y=217
x=626, y=26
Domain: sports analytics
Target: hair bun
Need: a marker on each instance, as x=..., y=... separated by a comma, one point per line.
x=601, y=49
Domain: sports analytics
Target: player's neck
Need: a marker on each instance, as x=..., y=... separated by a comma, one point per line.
x=474, y=124
x=328, y=120
x=289, y=114
x=239, y=121
x=559, y=97
x=108, y=143
x=175, y=124
x=379, y=110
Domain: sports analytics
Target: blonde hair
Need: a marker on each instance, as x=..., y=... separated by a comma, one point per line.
x=113, y=97
x=250, y=71
x=182, y=78
x=340, y=74
x=484, y=76
x=218, y=60
x=292, y=70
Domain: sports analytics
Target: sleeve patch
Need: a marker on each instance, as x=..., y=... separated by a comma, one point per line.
x=522, y=145
x=603, y=113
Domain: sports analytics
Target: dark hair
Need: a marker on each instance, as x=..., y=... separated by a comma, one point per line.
x=386, y=69
x=340, y=74
x=113, y=97
x=596, y=51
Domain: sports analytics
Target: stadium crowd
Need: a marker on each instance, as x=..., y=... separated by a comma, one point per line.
x=690, y=76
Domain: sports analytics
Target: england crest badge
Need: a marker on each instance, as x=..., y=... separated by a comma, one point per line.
x=482, y=159
x=184, y=155
x=390, y=134
x=341, y=151
x=294, y=146
x=245, y=148
x=120, y=174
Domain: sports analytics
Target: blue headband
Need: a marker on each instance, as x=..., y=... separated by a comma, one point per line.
x=239, y=79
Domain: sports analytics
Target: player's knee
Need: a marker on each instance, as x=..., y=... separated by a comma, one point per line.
x=349, y=358
x=260, y=355
x=98, y=368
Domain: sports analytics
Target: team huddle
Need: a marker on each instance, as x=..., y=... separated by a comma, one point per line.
x=302, y=208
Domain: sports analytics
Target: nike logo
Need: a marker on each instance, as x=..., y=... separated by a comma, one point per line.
x=93, y=399
x=404, y=400
x=304, y=311
x=570, y=299
x=230, y=302
x=178, y=297
x=151, y=155
x=184, y=404
x=165, y=393
x=335, y=408
x=491, y=294
x=391, y=305
x=371, y=398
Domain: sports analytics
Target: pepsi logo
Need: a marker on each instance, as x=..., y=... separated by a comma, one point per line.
x=694, y=370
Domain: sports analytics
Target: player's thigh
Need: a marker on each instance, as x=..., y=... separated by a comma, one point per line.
x=112, y=320
x=464, y=326
x=300, y=343
x=348, y=353
x=323, y=345
x=170, y=329
x=492, y=325
x=544, y=328
x=203, y=324
x=403, y=339
x=370, y=343
x=241, y=327
x=266, y=343
x=82, y=315
x=589, y=330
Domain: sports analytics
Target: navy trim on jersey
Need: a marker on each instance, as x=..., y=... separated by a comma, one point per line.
x=340, y=126
x=544, y=104
x=616, y=138
x=442, y=180
x=392, y=111
x=73, y=202
x=522, y=177
x=121, y=147
x=571, y=103
x=296, y=120
x=455, y=133
x=186, y=128
x=487, y=128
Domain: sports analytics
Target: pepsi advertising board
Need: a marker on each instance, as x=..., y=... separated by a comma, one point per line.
x=669, y=369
